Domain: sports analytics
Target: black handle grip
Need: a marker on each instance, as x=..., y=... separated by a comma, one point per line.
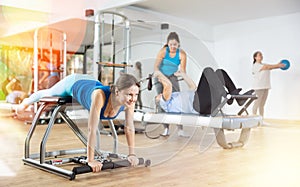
x=82, y=169
x=150, y=82
x=106, y=165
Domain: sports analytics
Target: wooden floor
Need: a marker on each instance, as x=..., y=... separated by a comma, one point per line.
x=271, y=158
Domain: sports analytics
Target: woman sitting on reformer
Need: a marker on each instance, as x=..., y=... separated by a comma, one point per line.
x=104, y=101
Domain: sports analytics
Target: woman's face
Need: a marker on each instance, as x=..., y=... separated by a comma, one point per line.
x=173, y=45
x=128, y=97
x=259, y=57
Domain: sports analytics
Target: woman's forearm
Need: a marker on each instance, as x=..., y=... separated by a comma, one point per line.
x=271, y=66
x=191, y=84
x=183, y=62
x=93, y=121
x=91, y=145
x=92, y=135
x=130, y=137
x=183, y=67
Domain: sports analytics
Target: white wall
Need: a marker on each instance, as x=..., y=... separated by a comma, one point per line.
x=278, y=38
x=230, y=46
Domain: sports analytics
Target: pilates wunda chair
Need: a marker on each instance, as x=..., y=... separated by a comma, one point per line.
x=216, y=90
x=49, y=161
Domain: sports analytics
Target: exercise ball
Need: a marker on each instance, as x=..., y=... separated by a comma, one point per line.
x=286, y=63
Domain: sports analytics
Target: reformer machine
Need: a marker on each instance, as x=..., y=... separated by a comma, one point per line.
x=50, y=161
x=215, y=119
x=219, y=122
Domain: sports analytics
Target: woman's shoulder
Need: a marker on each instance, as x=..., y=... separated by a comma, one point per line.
x=163, y=49
x=99, y=94
x=105, y=89
x=98, y=98
x=162, y=52
x=256, y=67
x=182, y=52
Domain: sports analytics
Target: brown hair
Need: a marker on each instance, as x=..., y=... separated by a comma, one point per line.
x=172, y=36
x=255, y=55
x=124, y=81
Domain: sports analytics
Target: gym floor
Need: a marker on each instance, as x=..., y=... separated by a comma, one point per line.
x=270, y=158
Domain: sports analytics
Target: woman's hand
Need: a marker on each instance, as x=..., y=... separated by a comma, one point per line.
x=95, y=165
x=280, y=65
x=157, y=74
x=178, y=74
x=134, y=161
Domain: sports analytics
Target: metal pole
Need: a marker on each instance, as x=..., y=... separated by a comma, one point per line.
x=113, y=45
x=114, y=135
x=127, y=45
x=65, y=55
x=96, y=51
x=102, y=30
x=51, y=49
x=35, y=65
x=99, y=40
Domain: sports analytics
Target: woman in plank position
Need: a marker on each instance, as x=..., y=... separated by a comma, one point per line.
x=104, y=101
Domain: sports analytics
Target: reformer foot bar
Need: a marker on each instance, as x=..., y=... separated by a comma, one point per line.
x=217, y=120
x=49, y=161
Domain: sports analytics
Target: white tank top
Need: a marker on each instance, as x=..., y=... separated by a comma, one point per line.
x=261, y=78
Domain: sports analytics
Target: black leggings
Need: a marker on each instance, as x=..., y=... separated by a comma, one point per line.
x=210, y=91
x=139, y=103
x=226, y=80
